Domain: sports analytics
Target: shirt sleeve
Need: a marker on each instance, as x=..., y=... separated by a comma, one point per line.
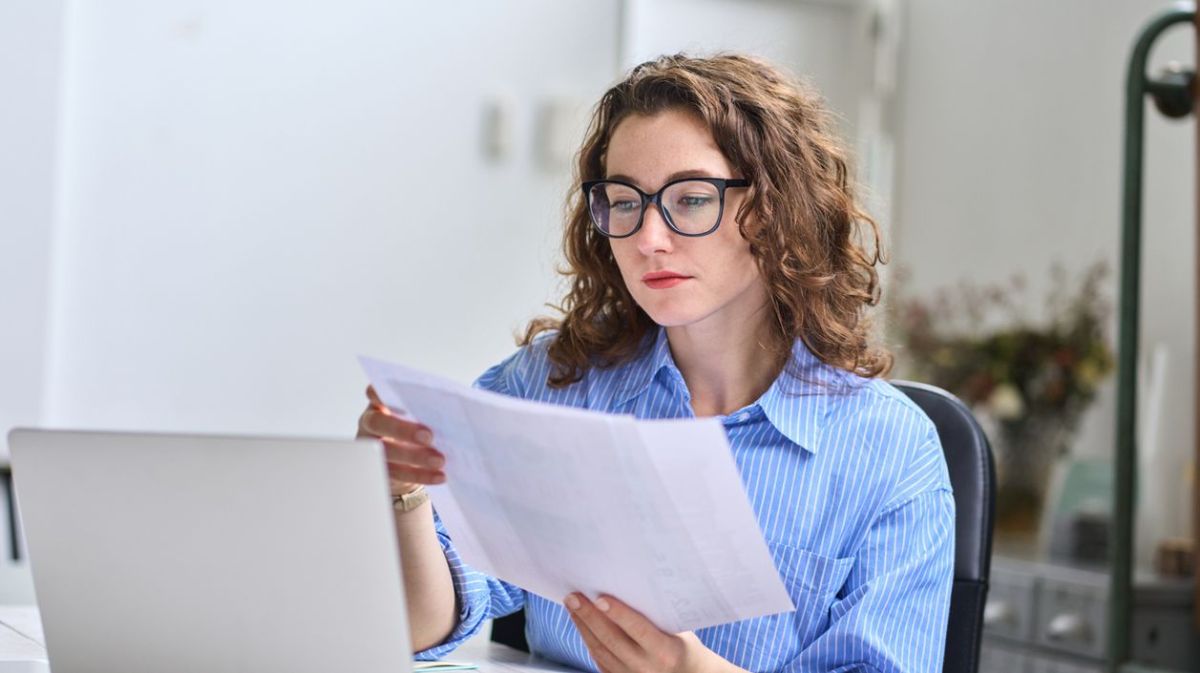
x=894, y=608
x=479, y=597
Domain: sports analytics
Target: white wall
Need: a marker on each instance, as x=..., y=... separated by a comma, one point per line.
x=253, y=194
x=1011, y=129
x=30, y=54
x=809, y=39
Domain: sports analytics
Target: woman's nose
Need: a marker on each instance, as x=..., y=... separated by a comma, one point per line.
x=655, y=235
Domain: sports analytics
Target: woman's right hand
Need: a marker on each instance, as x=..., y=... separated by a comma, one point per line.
x=411, y=458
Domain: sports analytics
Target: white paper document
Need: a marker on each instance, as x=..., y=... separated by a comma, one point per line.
x=555, y=500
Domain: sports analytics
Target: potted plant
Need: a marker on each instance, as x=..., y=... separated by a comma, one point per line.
x=1029, y=381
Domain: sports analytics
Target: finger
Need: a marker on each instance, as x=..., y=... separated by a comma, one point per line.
x=409, y=474
x=402, y=478
x=378, y=403
x=605, y=660
x=417, y=455
x=633, y=624
x=382, y=425
x=405, y=474
x=605, y=630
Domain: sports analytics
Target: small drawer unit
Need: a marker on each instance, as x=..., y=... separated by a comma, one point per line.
x=1072, y=613
x=1043, y=617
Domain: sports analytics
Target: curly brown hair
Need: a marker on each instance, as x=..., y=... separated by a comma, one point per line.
x=815, y=247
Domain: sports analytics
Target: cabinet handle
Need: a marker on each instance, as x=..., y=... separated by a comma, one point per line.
x=998, y=612
x=1068, y=626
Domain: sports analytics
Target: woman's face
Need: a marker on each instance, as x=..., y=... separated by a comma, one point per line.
x=722, y=286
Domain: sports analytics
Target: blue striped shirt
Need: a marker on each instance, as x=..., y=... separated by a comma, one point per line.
x=850, y=487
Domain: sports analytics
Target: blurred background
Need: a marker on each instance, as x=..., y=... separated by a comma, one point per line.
x=207, y=209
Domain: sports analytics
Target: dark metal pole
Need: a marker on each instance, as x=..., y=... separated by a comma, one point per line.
x=1138, y=85
x=1196, y=393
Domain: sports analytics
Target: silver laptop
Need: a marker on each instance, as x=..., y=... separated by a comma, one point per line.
x=155, y=552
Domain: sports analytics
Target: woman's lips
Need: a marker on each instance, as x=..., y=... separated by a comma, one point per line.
x=662, y=281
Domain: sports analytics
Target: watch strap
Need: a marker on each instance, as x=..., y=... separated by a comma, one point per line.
x=407, y=502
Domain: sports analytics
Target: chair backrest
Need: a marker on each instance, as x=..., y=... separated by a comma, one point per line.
x=972, y=476
x=969, y=459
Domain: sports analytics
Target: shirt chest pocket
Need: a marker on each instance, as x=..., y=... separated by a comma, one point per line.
x=813, y=582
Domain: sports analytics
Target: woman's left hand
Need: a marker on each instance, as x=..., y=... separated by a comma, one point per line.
x=621, y=640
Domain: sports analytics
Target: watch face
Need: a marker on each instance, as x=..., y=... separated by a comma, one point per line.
x=409, y=501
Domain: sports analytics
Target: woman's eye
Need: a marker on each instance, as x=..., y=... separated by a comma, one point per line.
x=694, y=202
x=625, y=206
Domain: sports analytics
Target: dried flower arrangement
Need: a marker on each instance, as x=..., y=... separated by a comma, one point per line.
x=1033, y=380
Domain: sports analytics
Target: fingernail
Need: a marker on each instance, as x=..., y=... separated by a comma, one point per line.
x=435, y=462
x=424, y=437
x=572, y=602
x=602, y=604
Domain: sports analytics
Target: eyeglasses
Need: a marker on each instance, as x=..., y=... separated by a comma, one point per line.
x=690, y=206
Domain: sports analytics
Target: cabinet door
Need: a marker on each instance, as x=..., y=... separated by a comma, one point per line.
x=1071, y=616
x=1009, y=612
x=999, y=658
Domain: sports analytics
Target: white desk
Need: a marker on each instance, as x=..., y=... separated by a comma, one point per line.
x=23, y=649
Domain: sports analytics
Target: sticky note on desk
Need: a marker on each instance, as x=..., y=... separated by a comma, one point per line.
x=439, y=666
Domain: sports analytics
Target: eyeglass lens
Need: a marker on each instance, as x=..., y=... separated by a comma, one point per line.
x=692, y=206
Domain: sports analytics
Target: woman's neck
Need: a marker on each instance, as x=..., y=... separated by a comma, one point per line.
x=725, y=366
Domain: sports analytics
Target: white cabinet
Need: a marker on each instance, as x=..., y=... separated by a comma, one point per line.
x=1052, y=618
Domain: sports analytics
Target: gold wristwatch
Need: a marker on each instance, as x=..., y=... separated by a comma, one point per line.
x=407, y=502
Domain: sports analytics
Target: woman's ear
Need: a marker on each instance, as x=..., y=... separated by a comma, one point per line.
x=749, y=226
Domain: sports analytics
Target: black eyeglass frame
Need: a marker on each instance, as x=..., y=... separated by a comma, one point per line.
x=656, y=198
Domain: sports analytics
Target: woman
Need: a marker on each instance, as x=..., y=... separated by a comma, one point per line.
x=718, y=268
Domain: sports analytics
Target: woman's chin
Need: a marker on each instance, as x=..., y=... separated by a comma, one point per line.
x=671, y=316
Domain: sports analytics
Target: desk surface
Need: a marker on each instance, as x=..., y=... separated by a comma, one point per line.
x=23, y=649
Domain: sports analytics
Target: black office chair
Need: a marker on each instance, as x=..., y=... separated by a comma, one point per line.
x=969, y=458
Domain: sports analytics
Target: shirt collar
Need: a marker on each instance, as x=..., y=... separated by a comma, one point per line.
x=796, y=404
x=641, y=371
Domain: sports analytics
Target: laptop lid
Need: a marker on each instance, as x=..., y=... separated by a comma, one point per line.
x=157, y=552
